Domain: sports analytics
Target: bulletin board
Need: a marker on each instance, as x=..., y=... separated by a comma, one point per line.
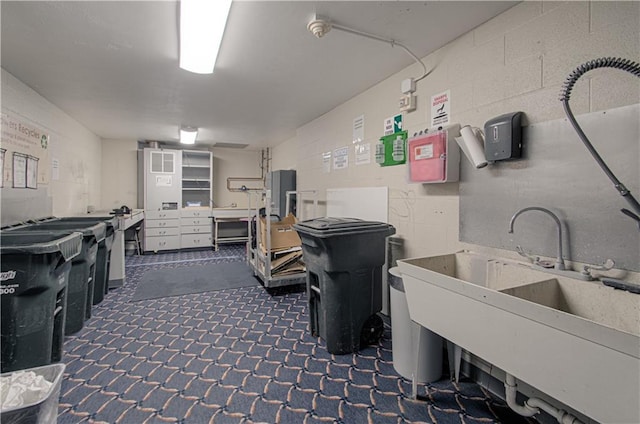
x=25, y=153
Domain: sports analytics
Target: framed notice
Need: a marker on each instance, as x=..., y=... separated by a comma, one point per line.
x=32, y=172
x=19, y=170
x=2, y=152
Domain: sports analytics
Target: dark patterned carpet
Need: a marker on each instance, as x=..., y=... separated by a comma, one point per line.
x=239, y=356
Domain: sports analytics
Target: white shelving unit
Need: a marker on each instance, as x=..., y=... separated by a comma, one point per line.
x=195, y=215
x=196, y=179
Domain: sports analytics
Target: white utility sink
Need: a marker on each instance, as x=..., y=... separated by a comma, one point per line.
x=577, y=341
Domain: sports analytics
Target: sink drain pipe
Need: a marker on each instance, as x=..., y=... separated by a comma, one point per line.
x=532, y=406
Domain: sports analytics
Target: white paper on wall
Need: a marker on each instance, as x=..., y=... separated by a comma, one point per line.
x=341, y=158
x=326, y=162
x=358, y=129
x=55, y=169
x=363, y=153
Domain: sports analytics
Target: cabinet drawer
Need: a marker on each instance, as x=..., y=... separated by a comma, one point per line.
x=161, y=223
x=155, y=232
x=196, y=240
x=195, y=229
x=195, y=213
x=161, y=243
x=161, y=214
x=195, y=221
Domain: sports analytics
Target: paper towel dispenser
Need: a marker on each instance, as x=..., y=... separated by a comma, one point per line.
x=503, y=137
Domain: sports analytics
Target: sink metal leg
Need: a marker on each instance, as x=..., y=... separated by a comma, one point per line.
x=418, y=341
x=454, y=353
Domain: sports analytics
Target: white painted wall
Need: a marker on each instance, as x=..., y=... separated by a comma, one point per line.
x=77, y=149
x=119, y=174
x=233, y=163
x=516, y=61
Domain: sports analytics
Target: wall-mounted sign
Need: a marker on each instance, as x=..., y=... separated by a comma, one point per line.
x=358, y=129
x=441, y=109
x=393, y=124
x=326, y=162
x=363, y=153
x=341, y=158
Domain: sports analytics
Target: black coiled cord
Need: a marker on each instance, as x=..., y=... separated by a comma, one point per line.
x=604, y=62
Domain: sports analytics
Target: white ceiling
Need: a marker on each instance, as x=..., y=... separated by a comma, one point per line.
x=113, y=65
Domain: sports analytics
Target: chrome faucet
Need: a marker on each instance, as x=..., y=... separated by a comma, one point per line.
x=559, y=265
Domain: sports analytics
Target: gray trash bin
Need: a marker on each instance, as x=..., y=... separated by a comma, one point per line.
x=417, y=351
x=344, y=259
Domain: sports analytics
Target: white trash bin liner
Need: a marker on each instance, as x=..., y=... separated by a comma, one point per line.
x=412, y=343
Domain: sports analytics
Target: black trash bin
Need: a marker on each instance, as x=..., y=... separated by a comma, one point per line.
x=103, y=258
x=82, y=275
x=344, y=259
x=35, y=275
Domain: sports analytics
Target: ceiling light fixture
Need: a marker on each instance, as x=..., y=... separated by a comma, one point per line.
x=188, y=135
x=202, y=24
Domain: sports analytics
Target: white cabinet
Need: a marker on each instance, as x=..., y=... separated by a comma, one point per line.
x=162, y=197
x=176, y=194
x=195, y=227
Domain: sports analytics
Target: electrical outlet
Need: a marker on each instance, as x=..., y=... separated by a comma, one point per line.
x=407, y=103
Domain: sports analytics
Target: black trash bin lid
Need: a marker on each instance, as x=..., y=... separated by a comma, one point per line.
x=112, y=222
x=39, y=243
x=92, y=229
x=332, y=226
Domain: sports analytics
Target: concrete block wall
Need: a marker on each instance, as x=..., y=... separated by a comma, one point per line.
x=514, y=62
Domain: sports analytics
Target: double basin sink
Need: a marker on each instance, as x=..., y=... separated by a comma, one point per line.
x=576, y=341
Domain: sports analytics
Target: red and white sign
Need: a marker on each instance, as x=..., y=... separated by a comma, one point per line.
x=441, y=109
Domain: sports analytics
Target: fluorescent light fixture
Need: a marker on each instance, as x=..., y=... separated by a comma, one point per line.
x=188, y=135
x=202, y=24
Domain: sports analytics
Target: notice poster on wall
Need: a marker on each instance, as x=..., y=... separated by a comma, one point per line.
x=19, y=170
x=363, y=153
x=341, y=158
x=358, y=129
x=32, y=172
x=2, y=152
x=326, y=162
x=441, y=109
x=27, y=140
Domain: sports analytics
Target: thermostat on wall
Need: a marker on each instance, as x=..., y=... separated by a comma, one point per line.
x=503, y=137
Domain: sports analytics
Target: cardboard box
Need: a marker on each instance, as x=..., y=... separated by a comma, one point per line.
x=283, y=236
